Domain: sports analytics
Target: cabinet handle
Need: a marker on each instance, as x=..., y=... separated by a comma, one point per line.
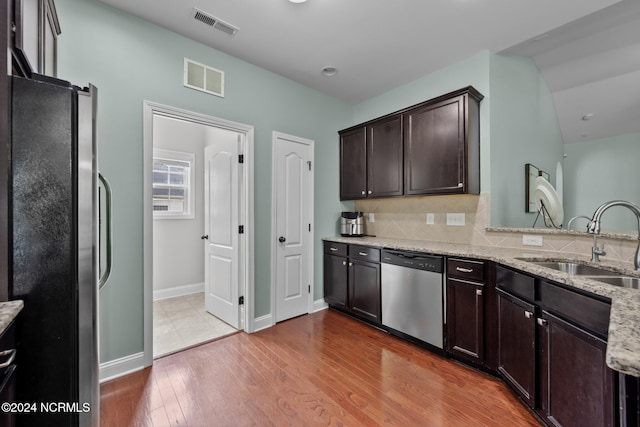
x=528, y=314
x=333, y=249
x=460, y=185
x=10, y=354
x=350, y=264
x=363, y=254
x=542, y=322
x=464, y=270
x=364, y=192
x=370, y=192
x=344, y=262
x=479, y=292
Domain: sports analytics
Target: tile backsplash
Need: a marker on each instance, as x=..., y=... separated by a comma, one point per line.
x=406, y=218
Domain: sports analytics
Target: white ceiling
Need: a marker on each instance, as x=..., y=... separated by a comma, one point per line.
x=377, y=45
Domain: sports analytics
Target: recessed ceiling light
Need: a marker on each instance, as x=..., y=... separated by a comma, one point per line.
x=297, y=1
x=329, y=71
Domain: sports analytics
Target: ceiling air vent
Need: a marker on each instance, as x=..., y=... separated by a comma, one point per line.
x=214, y=22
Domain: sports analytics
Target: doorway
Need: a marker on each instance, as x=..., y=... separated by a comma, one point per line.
x=175, y=288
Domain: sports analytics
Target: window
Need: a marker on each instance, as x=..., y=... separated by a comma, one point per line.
x=173, y=184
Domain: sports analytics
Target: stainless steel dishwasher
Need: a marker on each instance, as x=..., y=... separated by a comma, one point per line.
x=412, y=295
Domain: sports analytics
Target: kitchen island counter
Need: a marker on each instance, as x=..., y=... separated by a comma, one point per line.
x=623, y=346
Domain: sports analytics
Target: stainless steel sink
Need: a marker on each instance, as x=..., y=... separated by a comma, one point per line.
x=574, y=268
x=622, y=281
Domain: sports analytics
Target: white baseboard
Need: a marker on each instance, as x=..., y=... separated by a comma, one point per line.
x=178, y=291
x=263, y=322
x=120, y=367
x=319, y=305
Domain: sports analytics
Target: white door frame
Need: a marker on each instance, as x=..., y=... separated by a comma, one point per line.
x=247, y=250
x=274, y=238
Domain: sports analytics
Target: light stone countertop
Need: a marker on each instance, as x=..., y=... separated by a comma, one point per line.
x=8, y=311
x=623, y=346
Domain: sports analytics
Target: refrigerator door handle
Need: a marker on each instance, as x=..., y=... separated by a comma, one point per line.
x=106, y=223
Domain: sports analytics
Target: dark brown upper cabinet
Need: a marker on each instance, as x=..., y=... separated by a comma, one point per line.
x=371, y=161
x=429, y=148
x=442, y=145
x=35, y=33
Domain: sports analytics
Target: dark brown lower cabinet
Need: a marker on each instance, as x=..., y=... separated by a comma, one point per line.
x=335, y=280
x=517, y=345
x=335, y=274
x=465, y=320
x=364, y=290
x=576, y=386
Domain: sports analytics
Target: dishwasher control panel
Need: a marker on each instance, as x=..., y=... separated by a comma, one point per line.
x=415, y=260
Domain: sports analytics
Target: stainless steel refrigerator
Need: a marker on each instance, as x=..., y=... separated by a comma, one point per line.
x=55, y=251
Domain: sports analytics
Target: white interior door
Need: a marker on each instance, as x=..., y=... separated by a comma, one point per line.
x=293, y=195
x=222, y=204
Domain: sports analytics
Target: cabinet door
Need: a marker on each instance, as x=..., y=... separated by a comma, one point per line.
x=384, y=157
x=353, y=164
x=465, y=320
x=434, y=149
x=27, y=34
x=517, y=345
x=50, y=34
x=335, y=280
x=576, y=384
x=364, y=290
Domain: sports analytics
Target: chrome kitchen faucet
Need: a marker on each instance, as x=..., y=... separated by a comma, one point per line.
x=594, y=228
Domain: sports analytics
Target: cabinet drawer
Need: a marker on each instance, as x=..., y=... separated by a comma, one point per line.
x=465, y=269
x=589, y=313
x=334, y=248
x=365, y=253
x=515, y=283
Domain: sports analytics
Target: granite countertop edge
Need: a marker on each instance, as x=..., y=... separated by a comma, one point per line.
x=8, y=312
x=623, y=344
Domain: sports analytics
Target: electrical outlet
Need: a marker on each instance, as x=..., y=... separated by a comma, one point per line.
x=531, y=240
x=372, y=217
x=456, y=219
x=430, y=218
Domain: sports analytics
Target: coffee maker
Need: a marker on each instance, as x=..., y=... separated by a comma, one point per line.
x=352, y=224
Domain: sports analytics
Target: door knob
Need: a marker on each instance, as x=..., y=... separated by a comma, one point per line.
x=205, y=237
x=282, y=239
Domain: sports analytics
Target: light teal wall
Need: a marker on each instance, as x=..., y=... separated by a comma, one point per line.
x=600, y=170
x=473, y=71
x=524, y=129
x=131, y=60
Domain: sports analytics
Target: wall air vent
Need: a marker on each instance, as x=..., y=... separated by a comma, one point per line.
x=203, y=78
x=214, y=22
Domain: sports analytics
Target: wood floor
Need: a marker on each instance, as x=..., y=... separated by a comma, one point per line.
x=319, y=369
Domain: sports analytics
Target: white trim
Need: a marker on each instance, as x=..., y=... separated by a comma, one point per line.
x=247, y=250
x=178, y=291
x=121, y=367
x=319, y=305
x=263, y=322
x=311, y=194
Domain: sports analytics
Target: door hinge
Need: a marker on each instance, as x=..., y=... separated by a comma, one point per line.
x=240, y=158
x=309, y=227
x=309, y=288
x=309, y=164
x=241, y=300
x=241, y=229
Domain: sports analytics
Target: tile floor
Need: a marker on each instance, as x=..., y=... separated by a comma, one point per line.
x=182, y=322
